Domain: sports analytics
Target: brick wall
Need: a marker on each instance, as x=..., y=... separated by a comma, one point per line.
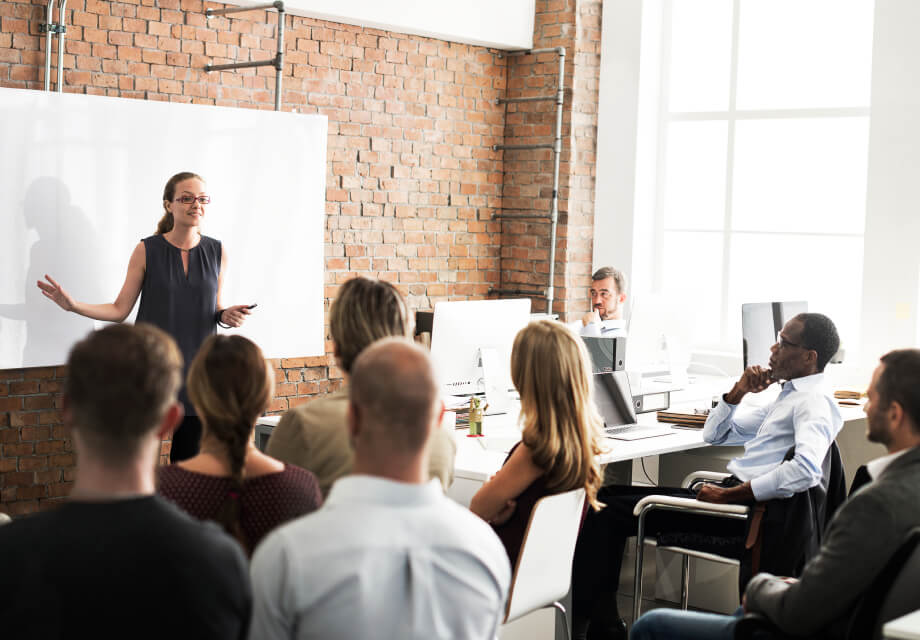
x=412, y=180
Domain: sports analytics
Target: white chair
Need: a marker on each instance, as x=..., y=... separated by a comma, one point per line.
x=685, y=505
x=543, y=573
x=4, y=518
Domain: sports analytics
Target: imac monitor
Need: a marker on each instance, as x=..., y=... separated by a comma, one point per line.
x=760, y=322
x=613, y=398
x=462, y=330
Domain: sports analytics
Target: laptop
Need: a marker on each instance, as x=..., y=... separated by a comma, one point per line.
x=614, y=401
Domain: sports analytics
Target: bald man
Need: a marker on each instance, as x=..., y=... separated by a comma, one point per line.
x=388, y=555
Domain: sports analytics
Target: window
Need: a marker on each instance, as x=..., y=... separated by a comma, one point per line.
x=760, y=169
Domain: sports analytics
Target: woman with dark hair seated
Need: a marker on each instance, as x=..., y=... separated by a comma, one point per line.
x=230, y=481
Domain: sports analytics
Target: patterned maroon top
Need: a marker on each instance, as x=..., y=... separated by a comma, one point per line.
x=267, y=501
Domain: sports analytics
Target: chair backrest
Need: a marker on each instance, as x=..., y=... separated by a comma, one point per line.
x=544, y=567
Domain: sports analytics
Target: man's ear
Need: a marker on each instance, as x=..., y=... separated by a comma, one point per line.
x=170, y=421
x=896, y=416
x=622, y=298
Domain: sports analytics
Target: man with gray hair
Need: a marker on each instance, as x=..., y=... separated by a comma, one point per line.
x=388, y=555
x=608, y=297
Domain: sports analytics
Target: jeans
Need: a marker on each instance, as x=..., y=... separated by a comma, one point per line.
x=672, y=624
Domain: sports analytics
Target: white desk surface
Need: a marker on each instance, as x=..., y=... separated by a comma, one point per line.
x=903, y=628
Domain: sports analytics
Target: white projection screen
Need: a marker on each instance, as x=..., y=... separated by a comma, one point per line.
x=81, y=182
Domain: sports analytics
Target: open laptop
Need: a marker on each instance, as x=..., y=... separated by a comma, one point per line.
x=613, y=398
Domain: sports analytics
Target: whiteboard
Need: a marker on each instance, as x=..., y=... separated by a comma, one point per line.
x=81, y=182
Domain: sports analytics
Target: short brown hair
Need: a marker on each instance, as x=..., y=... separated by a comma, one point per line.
x=900, y=382
x=394, y=385
x=619, y=279
x=120, y=382
x=365, y=311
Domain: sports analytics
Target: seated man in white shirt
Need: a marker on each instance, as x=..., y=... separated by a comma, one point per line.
x=608, y=295
x=859, y=541
x=804, y=415
x=387, y=555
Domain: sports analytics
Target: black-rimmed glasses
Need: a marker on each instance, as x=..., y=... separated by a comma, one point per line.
x=191, y=199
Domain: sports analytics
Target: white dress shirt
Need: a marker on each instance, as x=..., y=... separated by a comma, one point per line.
x=605, y=328
x=877, y=467
x=380, y=559
x=804, y=414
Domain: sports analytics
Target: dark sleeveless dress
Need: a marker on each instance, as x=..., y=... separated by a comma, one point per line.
x=182, y=306
x=511, y=533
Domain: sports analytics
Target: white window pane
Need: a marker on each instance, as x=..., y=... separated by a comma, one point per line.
x=804, y=53
x=692, y=269
x=805, y=175
x=694, y=182
x=700, y=61
x=824, y=271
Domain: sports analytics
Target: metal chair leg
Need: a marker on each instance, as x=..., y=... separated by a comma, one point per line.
x=565, y=619
x=637, y=579
x=684, y=581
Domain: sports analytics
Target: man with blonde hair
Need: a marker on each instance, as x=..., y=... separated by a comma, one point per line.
x=314, y=435
x=388, y=555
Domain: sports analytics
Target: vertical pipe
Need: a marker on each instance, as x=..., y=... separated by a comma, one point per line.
x=279, y=56
x=49, y=33
x=557, y=153
x=685, y=582
x=61, y=30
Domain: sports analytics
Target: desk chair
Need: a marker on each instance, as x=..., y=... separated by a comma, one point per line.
x=543, y=573
x=768, y=538
x=892, y=594
x=424, y=323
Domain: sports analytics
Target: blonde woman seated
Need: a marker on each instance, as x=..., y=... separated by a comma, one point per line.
x=561, y=432
x=230, y=481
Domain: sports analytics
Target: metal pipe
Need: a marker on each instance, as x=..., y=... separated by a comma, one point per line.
x=527, y=52
x=279, y=57
x=61, y=30
x=499, y=216
x=49, y=33
x=557, y=152
x=530, y=99
x=516, y=292
x=517, y=147
x=219, y=12
x=685, y=582
x=239, y=65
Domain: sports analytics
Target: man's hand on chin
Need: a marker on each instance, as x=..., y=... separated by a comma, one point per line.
x=591, y=318
x=742, y=494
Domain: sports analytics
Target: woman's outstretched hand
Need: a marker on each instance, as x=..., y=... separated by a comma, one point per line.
x=235, y=315
x=56, y=293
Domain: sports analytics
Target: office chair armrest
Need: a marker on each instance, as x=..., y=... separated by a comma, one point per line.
x=703, y=476
x=670, y=503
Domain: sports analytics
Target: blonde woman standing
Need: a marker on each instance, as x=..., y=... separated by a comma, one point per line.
x=561, y=432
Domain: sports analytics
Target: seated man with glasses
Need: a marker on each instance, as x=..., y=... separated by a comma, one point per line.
x=608, y=298
x=804, y=415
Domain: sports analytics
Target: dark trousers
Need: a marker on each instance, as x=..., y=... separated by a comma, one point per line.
x=599, y=552
x=186, y=439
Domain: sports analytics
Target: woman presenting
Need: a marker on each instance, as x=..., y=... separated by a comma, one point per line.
x=178, y=274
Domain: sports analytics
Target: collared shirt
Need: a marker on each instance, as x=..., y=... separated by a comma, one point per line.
x=605, y=328
x=381, y=559
x=877, y=467
x=803, y=415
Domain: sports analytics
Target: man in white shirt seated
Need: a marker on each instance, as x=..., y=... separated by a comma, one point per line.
x=387, y=555
x=804, y=416
x=608, y=295
x=860, y=540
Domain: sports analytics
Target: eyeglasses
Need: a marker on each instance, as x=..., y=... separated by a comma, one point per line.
x=783, y=343
x=191, y=199
x=604, y=294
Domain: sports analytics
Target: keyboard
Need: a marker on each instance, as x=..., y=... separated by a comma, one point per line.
x=635, y=431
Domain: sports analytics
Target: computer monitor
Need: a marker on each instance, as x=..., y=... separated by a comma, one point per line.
x=613, y=398
x=760, y=322
x=463, y=330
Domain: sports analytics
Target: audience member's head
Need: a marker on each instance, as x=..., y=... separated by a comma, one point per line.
x=608, y=292
x=893, y=407
x=394, y=404
x=230, y=385
x=363, y=312
x=804, y=346
x=121, y=392
x=551, y=370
